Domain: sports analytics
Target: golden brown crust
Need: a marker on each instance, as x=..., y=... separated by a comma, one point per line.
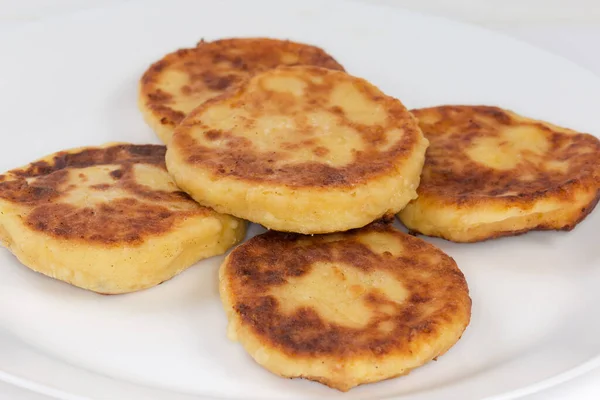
x=43, y=186
x=491, y=173
x=451, y=176
x=268, y=261
x=212, y=68
x=386, y=144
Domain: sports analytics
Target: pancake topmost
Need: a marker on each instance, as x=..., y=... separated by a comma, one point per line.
x=295, y=131
x=76, y=215
x=490, y=172
x=343, y=309
x=300, y=126
x=182, y=80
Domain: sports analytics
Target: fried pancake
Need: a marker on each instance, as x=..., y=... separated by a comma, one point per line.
x=490, y=173
x=300, y=149
x=182, y=80
x=343, y=309
x=108, y=219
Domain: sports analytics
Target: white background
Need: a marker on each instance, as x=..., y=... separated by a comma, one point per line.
x=570, y=28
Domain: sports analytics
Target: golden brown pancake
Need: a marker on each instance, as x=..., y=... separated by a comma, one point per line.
x=343, y=309
x=490, y=173
x=108, y=219
x=300, y=149
x=182, y=80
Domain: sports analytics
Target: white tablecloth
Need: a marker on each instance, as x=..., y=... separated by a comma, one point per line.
x=570, y=28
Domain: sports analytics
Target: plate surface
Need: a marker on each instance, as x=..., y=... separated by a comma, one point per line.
x=72, y=81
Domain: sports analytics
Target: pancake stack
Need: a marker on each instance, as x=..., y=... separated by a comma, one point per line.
x=278, y=133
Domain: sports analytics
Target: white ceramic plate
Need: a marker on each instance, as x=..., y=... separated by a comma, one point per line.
x=72, y=81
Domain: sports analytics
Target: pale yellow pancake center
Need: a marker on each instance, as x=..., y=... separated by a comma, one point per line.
x=338, y=293
x=511, y=147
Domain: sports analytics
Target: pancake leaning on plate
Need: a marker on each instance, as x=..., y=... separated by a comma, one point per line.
x=343, y=309
x=300, y=149
x=184, y=79
x=490, y=172
x=108, y=219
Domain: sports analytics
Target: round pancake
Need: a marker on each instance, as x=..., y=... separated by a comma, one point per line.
x=182, y=80
x=300, y=149
x=343, y=309
x=108, y=219
x=490, y=172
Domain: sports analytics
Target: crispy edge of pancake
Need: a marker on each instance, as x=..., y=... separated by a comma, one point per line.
x=561, y=217
x=558, y=207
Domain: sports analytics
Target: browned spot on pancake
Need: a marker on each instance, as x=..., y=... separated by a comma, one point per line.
x=100, y=186
x=116, y=174
x=238, y=157
x=169, y=115
x=122, y=220
x=321, y=151
x=19, y=191
x=214, y=67
x=213, y=134
x=450, y=175
x=41, y=186
x=273, y=258
x=125, y=154
x=160, y=97
x=214, y=81
x=298, y=145
x=40, y=191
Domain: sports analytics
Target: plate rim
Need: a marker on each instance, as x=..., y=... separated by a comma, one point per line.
x=96, y=12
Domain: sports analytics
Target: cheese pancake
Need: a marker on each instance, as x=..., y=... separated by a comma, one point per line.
x=108, y=219
x=343, y=309
x=300, y=149
x=490, y=172
x=182, y=80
